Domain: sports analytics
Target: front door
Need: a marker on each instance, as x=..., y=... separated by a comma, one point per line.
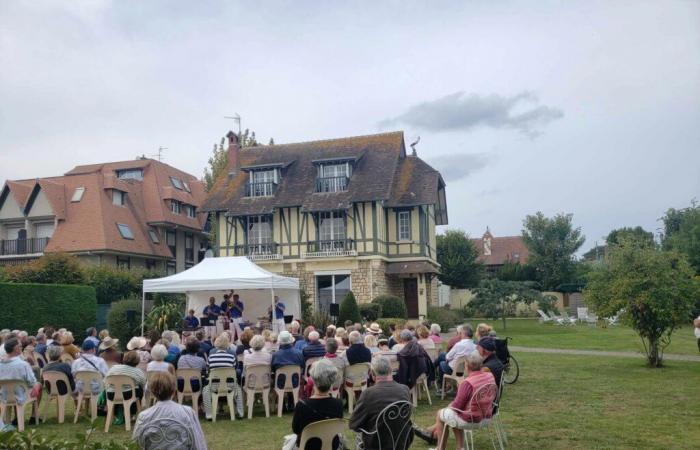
x=410, y=295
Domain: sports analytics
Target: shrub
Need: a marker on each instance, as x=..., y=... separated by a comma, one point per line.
x=112, y=284
x=320, y=320
x=384, y=323
x=31, y=440
x=370, y=312
x=52, y=268
x=31, y=306
x=444, y=317
x=306, y=307
x=391, y=306
x=117, y=322
x=348, y=309
x=166, y=313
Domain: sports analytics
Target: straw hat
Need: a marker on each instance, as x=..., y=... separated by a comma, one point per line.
x=136, y=342
x=108, y=342
x=374, y=328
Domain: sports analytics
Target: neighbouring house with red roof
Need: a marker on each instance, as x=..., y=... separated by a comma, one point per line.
x=129, y=214
x=494, y=252
x=354, y=213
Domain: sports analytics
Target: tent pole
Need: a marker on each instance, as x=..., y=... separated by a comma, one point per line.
x=143, y=311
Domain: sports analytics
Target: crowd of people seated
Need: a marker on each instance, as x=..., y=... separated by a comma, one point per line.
x=396, y=361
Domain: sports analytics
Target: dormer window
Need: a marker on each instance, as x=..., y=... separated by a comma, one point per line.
x=78, y=194
x=186, y=186
x=118, y=197
x=263, y=183
x=125, y=231
x=333, y=176
x=177, y=183
x=190, y=211
x=130, y=174
x=175, y=206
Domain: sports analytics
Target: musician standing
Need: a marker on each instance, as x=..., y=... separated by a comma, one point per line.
x=236, y=312
x=278, y=319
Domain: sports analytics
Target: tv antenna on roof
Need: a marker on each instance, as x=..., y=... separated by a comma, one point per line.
x=237, y=118
x=160, y=153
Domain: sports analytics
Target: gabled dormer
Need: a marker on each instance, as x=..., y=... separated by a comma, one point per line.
x=333, y=174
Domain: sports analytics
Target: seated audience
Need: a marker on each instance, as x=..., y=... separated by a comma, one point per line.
x=487, y=349
x=173, y=345
x=287, y=355
x=12, y=367
x=138, y=344
x=270, y=341
x=357, y=352
x=294, y=329
x=413, y=360
x=190, y=359
x=109, y=352
x=129, y=369
x=158, y=364
x=90, y=362
x=300, y=344
x=482, y=330
x=68, y=346
x=339, y=362
x=385, y=351
x=330, y=331
x=462, y=410
x=320, y=405
x=371, y=343
x=463, y=348
x=256, y=355
x=424, y=339
x=221, y=358
x=190, y=320
x=167, y=417
x=341, y=335
x=374, y=399
x=91, y=335
x=41, y=346
x=435, y=334
x=456, y=338
x=314, y=348
x=395, y=340
x=53, y=364
x=205, y=345
x=375, y=329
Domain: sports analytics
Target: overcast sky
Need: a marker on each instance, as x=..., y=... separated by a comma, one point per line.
x=591, y=108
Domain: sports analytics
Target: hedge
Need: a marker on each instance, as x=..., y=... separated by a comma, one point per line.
x=370, y=312
x=31, y=306
x=391, y=306
x=384, y=323
x=117, y=323
x=348, y=309
x=444, y=317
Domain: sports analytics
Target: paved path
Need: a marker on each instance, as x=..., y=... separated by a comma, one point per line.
x=560, y=351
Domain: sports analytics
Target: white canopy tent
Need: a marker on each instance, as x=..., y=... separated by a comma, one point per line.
x=212, y=276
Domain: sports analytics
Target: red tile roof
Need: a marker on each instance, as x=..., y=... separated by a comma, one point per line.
x=503, y=249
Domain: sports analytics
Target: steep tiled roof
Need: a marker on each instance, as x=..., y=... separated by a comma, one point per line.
x=381, y=171
x=503, y=249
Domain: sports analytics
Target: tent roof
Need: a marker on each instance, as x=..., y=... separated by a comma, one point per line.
x=234, y=272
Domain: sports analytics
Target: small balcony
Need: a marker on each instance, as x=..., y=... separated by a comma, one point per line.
x=266, y=189
x=259, y=252
x=330, y=248
x=332, y=184
x=29, y=246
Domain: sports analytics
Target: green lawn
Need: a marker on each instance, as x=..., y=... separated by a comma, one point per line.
x=531, y=333
x=559, y=402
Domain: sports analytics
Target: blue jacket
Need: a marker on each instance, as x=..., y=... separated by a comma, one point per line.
x=314, y=350
x=287, y=356
x=358, y=353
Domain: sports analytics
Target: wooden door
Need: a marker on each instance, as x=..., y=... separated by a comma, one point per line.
x=410, y=295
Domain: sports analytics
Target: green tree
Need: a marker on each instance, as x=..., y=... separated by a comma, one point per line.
x=597, y=253
x=552, y=243
x=682, y=233
x=457, y=256
x=636, y=234
x=52, y=268
x=118, y=322
x=391, y=306
x=497, y=299
x=349, y=309
x=654, y=289
x=511, y=271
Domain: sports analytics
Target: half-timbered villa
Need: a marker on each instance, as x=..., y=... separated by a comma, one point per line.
x=355, y=213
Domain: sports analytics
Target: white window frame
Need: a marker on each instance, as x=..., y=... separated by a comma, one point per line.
x=78, y=194
x=175, y=207
x=267, y=176
x=186, y=186
x=154, y=236
x=336, y=231
x=190, y=210
x=403, y=225
x=331, y=274
x=118, y=197
x=258, y=235
x=130, y=174
x=45, y=225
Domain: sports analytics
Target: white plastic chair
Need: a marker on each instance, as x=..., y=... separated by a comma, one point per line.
x=257, y=381
x=592, y=319
x=51, y=380
x=421, y=384
x=483, y=400
x=356, y=376
x=188, y=376
x=457, y=375
x=9, y=387
x=85, y=379
x=118, y=383
x=544, y=317
x=221, y=377
x=324, y=430
x=582, y=314
x=288, y=388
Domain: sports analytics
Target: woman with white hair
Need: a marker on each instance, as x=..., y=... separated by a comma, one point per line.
x=158, y=364
x=319, y=406
x=435, y=334
x=256, y=355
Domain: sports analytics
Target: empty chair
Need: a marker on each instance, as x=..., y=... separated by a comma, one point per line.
x=457, y=375
x=392, y=429
x=291, y=376
x=325, y=431
x=85, y=380
x=356, y=376
x=592, y=319
x=117, y=383
x=222, y=382
x=543, y=316
x=191, y=386
x=582, y=314
x=257, y=381
x=57, y=388
x=11, y=387
x=421, y=384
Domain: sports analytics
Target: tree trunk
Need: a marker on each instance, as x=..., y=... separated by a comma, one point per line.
x=653, y=352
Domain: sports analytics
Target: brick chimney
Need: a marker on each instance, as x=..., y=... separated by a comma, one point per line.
x=234, y=154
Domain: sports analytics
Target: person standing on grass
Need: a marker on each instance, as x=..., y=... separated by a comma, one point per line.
x=696, y=322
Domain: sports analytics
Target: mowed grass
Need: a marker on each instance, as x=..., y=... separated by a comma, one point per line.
x=531, y=333
x=559, y=402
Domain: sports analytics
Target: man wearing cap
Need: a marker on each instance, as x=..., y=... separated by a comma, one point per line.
x=90, y=362
x=487, y=349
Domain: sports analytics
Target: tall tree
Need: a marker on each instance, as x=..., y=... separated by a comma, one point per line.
x=457, y=256
x=654, y=290
x=682, y=233
x=552, y=243
x=498, y=299
x=637, y=234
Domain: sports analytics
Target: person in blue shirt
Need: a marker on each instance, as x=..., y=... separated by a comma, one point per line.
x=212, y=310
x=236, y=312
x=190, y=320
x=278, y=319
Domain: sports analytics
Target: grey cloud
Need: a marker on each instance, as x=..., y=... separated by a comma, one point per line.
x=460, y=111
x=456, y=167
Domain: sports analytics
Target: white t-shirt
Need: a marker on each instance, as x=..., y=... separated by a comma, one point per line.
x=697, y=330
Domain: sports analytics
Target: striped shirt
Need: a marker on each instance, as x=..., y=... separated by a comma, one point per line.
x=221, y=359
x=134, y=373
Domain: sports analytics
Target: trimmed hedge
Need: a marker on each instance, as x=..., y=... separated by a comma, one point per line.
x=370, y=312
x=30, y=306
x=444, y=317
x=117, y=323
x=348, y=309
x=391, y=306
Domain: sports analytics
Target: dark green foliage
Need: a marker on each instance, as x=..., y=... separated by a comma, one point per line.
x=370, y=312
x=511, y=271
x=306, y=307
x=552, y=243
x=167, y=312
x=31, y=306
x=385, y=323
x=52, y=268
x=31, y=440
x=112, y=284
x=655, y=289
x=597, y=253
x=682, y=233
x=117, y=324
x=636, y=234
x=349, y=310
x=445, y=317
x=497, y=299
x=457, y=256
x=391, y=306
x=320, y=320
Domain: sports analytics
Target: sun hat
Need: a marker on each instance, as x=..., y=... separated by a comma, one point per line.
x=108, y=342
x=136, y=342
x=374, y=328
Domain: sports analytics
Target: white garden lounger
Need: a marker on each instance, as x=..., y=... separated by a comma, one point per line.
x=582, y=314
x=543, y=317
